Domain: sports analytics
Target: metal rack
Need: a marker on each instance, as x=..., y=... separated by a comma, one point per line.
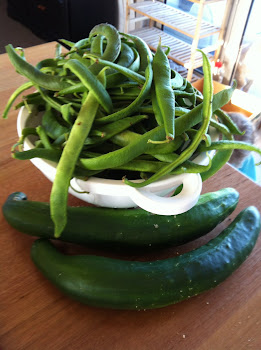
x=196, y=28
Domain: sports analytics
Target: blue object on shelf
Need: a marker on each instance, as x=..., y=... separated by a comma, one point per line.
x=248, y=168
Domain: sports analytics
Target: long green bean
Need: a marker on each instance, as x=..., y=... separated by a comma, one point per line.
x=50, y=82
x=69, y=157
x=165, y=96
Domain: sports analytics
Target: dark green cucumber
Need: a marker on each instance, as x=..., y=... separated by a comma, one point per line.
x=120, y=284
x=106, y=227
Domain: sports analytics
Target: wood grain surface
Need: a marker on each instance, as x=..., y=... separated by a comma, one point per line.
x=35, y=315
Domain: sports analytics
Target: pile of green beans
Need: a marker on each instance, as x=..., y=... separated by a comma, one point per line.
x=112, y=108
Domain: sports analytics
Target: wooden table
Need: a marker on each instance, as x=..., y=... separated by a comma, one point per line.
x=35, y=315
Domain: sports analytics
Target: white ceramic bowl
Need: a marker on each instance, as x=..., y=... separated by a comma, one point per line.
x=154, y=198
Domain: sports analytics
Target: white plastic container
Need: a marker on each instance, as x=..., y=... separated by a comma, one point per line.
x=154, y=198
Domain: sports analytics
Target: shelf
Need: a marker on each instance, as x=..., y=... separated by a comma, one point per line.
x=180, y=51
x=173, y=18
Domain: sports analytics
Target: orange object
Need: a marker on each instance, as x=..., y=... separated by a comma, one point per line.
x=229, y=107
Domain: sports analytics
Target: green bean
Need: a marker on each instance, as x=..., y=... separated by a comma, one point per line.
x=184, y=102
x=51, y=101
x=84, y=61
x=189, y=87
x=143, y=50
x=69, y=157
x=164, y=93
x=181, y=93
x=118, y=78
x=180, y=111
x=51, y=71
x=109, y=130
x=227, y=121
x=129, y=73
x=51, y=125
x=14, y=96
x=33, y=100
x=72, y=89
x=191, y=167
x=67, y=42
x=126, y=84
x=43, y=137
x=220, y=158
x=126, y=56
x=133, y=107
x=60, y=141
x=43, y=153
x=176, y=81
x=155, y=106
x=230, y=145
x=97, y=45
x=47, y=62
x=131, y=91
x=135, y=65
x=75, y=103
x=113, y=47
x=185, y=82
x=67, y=113
x=220, y=127
x=126, y=137
x=81, y=44
x=50, y=82
x=149, y=110
x=125, y=59
x=91, y=83
x=149, y=166
x=207, y=139
x=125, y=154
x=27, y=131
x=188, y=99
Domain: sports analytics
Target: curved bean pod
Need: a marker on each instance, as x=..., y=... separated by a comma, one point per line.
x=49, y=82
x=228, y=122
x=230, y=145
x=112, y=36
x=14, y=96
x=143, y=49
x=97, y=45
x=91, y=82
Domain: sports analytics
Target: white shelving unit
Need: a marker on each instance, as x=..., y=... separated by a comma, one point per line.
x=196, y=28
